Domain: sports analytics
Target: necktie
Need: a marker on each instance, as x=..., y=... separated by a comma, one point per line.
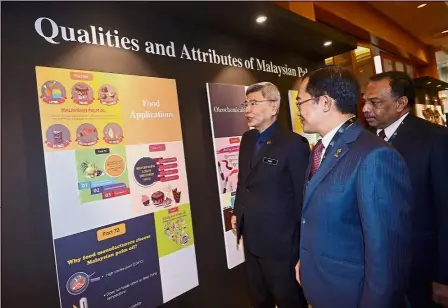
x=316, y=155
x=382, y=134
x=258, y=145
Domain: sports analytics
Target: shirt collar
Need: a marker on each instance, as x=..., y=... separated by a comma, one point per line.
x=329, y=136
x=268, y=131
x=391, y=129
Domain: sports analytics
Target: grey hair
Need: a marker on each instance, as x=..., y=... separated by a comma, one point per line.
x=268, y=90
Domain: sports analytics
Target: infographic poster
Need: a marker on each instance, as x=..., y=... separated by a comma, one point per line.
x=297, y=125
x=117, y=188
x=228, y=125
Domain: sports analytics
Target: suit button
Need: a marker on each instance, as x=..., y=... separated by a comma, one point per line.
x=303, y=220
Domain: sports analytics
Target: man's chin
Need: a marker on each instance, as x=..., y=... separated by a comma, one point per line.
x=372, y=122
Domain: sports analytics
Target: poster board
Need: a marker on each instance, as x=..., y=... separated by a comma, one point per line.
x=228, y=125
x=117, y=188
x=297, y=125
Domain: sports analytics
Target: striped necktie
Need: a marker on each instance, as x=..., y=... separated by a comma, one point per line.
x=316, y=154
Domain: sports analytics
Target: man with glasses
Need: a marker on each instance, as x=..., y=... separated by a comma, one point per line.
x=272, y=167
x=355, y=226
x=389, y=99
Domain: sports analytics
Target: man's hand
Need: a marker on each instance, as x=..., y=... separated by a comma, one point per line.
x=233, y=222
x=298, y=272
x=440, y=294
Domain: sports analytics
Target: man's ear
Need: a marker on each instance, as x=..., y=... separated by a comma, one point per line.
x=327, y=102
x=402, y=103
x=276, y=107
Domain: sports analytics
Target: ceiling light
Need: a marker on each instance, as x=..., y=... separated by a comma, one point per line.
x=421, y=5
x=328, y=43
x=445, y=31
x=438, y=86
x=429, y=82
x=261, y=19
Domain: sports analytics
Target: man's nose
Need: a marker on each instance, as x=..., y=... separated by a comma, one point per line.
x=366, y=107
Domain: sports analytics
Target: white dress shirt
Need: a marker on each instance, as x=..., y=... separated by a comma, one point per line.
x=391, y=129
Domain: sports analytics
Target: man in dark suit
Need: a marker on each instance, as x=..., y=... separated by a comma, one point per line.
x=389, y=99
x=272, y=166
x=355, y=225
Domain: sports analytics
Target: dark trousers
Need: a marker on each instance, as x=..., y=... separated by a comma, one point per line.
x=272, y=282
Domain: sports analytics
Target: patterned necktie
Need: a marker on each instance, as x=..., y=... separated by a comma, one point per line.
x=316, y=154
x=382, y=134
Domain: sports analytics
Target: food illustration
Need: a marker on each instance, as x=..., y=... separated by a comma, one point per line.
x=107, y=95
x=53, y=92
x=175, y=230
x=82, y=93
x=57, y=136
x=158, y=198
x=145, y=200
x=176, y=195
x=90, y=170
x=78, y=283
x=86, y=134
x=113, y=133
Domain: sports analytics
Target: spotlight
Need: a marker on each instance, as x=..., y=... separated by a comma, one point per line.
x=261, y=19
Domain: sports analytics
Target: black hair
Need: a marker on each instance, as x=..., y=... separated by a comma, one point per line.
x=401, y=84
x=338, y=83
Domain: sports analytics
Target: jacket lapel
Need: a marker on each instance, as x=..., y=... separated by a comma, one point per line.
x=407, y=124
x=333, y=156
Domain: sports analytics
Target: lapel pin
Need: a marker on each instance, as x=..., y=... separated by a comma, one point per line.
x=269, y=142
x=337, y=153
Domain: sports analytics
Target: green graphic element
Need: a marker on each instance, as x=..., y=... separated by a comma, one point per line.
x=174, y=229
x=102, y=173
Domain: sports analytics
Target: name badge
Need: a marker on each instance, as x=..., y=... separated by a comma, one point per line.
x=270, y=161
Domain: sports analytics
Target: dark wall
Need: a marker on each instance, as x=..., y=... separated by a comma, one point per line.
x=28, y=269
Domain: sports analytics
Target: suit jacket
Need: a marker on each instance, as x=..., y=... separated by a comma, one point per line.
x=269, y=192
x=356, y=230
x=424, y=147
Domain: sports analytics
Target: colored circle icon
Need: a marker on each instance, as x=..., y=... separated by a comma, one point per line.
x=146, y=171
x=114, y=165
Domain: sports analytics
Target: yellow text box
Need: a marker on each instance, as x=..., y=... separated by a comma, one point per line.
x=110, y=232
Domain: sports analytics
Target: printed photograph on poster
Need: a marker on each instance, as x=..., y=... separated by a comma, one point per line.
x=297, y=125
x=117, y=188
x=228, y=125
x=158, y=176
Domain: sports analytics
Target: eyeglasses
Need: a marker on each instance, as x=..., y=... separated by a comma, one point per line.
x=298, y=104
x=254, y=103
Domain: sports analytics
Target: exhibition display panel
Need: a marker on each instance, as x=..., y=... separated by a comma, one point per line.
x=117, y=187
